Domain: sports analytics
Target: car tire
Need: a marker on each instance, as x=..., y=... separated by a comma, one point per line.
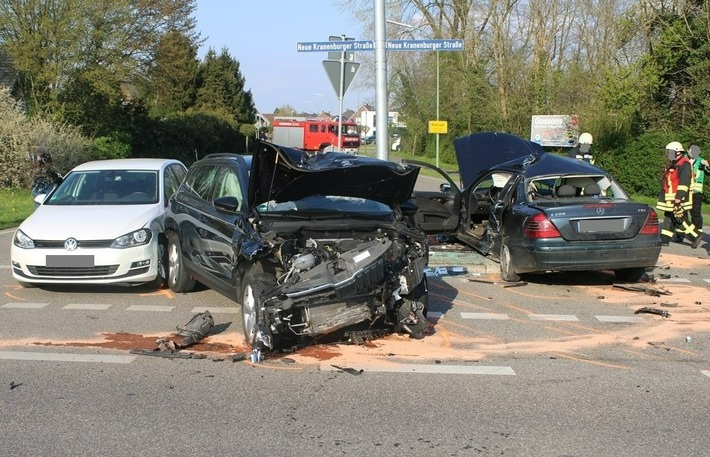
x=253, y=286
x=178, y=279
x=629, y=274
x=507, y=270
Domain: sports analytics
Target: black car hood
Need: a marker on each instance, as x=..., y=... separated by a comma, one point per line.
x=482, y=151
x=285, y=174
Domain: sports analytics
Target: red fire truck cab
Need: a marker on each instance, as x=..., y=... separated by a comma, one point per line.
x=316, y=136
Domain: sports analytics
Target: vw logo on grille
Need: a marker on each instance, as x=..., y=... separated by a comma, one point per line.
x=600, y=211
x=70, y=244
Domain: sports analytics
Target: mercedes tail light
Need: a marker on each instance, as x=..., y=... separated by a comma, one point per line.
x=651, y=226
x=539, y=226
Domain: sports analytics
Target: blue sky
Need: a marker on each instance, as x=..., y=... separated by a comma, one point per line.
x=262, y=36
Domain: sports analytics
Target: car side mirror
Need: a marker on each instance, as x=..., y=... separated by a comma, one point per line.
x=228, y=203
x=445, y=187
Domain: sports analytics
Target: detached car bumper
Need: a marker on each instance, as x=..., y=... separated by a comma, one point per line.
x=86, y=266
x=560, y=255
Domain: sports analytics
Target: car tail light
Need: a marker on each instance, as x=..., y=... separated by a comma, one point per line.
x=539, y=226
x=651, y=226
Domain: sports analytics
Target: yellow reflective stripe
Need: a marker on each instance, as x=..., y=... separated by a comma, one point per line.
x=667, y=233
x=682, y=187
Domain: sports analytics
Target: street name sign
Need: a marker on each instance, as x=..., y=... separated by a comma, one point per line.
x=390, y=45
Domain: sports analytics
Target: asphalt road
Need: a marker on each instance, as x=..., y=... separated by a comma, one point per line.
x=561, y=365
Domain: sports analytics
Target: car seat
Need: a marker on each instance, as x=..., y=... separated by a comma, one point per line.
x=566, y=190
x=592, y=190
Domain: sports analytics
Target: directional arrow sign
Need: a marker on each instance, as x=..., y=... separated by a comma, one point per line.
x=332, y=68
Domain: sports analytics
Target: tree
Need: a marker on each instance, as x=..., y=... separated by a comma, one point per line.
x=220, y=88
x=107, y=42
x=171, y=82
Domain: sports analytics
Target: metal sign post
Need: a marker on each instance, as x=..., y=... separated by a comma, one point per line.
x=341, y=69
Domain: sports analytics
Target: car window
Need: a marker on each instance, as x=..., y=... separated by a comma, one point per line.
x=179, y=171
x=201, y=179
x=228, y=185
x=579, y=186
x=107, y=187
x=171, y=182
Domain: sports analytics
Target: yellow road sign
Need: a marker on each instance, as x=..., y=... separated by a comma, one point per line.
x=438, y=127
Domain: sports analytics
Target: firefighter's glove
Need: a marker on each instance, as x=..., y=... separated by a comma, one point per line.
x=678, y=211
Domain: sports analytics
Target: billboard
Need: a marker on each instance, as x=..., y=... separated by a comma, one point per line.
x=560, y=130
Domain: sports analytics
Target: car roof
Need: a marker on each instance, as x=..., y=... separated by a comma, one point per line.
x=125, y=164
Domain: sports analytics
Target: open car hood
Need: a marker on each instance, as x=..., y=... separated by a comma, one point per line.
x=284, y=174
x=479, y=152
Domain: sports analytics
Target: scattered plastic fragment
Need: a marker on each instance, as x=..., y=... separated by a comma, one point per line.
x=446, y=271
x=352, y=371
x=660, y=312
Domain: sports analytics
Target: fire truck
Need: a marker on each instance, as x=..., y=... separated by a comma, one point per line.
x=316, y=136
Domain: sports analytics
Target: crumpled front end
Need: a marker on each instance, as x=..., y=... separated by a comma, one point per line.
x=332, y=282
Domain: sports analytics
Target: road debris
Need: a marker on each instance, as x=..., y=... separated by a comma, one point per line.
x=648, y=310
x=648, y=289
x=669, y=305
x=14, y=385
x=352, y=371
x=197, y=328
x=505, y=284
x=167, y=354
x=445, y=271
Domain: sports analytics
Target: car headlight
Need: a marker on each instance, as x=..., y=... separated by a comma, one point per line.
x=129, y=240
x=23, y=241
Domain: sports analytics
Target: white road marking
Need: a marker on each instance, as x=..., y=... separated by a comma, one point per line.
x=415, y=368
x=554, y=317
x=706, y=373
x=86, y=306
x=627, y=319
x=65, y=357
x=24, y=305
x=218, y=310
x=491, y=316
x=150, y=308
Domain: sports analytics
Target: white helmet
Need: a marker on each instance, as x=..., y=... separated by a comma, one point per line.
x=675, y=146
x=585, y=138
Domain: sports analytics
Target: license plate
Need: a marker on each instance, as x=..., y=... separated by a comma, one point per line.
x=602, y=225
x=54, y=261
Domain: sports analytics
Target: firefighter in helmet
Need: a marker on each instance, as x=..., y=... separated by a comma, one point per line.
x=582, y=150
x=675, y=199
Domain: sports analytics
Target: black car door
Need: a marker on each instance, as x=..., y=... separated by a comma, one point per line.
x=228, y=215
x=438, y=211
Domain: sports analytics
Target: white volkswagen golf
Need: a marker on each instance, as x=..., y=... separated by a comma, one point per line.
x=102, y=225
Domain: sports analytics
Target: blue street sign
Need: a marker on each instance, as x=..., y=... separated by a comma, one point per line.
x=391, y=45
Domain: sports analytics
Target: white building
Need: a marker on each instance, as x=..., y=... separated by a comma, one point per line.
x=366, y=118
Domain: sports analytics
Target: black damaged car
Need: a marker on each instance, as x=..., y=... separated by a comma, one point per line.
x=537, y=212
x=306, y=244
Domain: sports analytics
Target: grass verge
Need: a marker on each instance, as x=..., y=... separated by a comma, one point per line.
x=15, y=206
